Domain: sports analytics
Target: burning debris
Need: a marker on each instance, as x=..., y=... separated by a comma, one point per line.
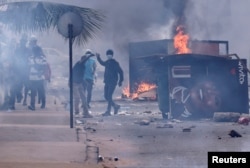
x=144, y=90
x=181, y=40
x=191, y=76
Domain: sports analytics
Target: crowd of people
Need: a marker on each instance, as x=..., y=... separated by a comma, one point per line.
x=84, y=77
x=24, y=70
x=25, y=73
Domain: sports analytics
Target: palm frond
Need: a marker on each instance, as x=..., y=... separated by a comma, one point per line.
x=42, y=16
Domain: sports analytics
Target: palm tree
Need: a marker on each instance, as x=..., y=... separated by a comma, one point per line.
x=41, y=16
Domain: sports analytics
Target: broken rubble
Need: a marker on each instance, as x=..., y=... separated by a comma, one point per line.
x=244, y=120
x=226, y=117
x=234, y=134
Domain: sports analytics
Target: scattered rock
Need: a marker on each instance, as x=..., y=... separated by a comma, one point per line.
x=100, y=158
x=144, y=122
x=165, y=126
x=147, y=112
x=186, y=130
x=116, y=159
x=234, y=134
x=90, y=129
x=176, y=121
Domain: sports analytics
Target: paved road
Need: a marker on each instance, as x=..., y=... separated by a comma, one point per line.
x=137, y=136
x=41, y=138
x=140, y=138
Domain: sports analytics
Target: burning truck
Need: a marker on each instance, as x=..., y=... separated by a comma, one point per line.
x=192, y=79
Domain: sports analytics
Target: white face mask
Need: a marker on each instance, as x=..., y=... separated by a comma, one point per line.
x=109, y=56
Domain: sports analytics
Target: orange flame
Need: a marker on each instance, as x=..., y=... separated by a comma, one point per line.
x=181, y=41
x=142, y=87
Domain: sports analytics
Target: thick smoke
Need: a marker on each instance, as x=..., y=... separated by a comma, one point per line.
x=142, y=20
x=221, y=20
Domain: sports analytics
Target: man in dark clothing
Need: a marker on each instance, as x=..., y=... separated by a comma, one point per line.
x=78, y=90
x=113, y=75
x=37, y=64
x=22, y=54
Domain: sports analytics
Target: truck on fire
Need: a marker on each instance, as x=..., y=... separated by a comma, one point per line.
x=196, y=84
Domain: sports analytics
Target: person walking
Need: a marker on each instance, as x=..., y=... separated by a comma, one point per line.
x=78, y=90
x=22, y=54
x=37, y=64
x=113, y=75
x=89, y=77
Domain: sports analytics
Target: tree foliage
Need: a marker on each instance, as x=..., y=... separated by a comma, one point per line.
x=41, y=16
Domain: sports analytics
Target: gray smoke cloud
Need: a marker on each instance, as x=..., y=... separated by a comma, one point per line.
x=144, y=20
x=221, y=20
x=140, y=20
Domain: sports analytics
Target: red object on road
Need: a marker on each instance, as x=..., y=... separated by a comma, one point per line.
x=244, y=120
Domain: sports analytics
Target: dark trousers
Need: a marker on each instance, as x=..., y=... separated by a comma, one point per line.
x=88, y=87
x=37, y=87
x=22, y=83
x=108, y=94
x=12, y=95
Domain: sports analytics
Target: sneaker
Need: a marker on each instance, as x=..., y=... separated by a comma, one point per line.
x=12, y=108
x=87, y=116
x=9, y=110
x=116, y=108
x=42, y=106
x=31, y=108
x=106, y=114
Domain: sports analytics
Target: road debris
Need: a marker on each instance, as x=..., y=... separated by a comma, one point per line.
x=226, y=117
x=234, y=134
x=165, y=126
x=100, y=158
x=176, y=121
x=143, y=122
x=244, y=120
x=186, y=130
x=147, y=112
x=87, y=128
x=116, y=159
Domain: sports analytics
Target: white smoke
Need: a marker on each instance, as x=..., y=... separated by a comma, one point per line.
x=221, y=20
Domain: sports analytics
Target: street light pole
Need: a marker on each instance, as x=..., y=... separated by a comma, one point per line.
x=70, y=25
x=70, y=29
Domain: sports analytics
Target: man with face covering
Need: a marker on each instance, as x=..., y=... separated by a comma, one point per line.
x=78, y=90
x=113, y=75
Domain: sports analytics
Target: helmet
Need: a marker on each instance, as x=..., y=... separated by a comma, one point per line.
x=109, y=52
